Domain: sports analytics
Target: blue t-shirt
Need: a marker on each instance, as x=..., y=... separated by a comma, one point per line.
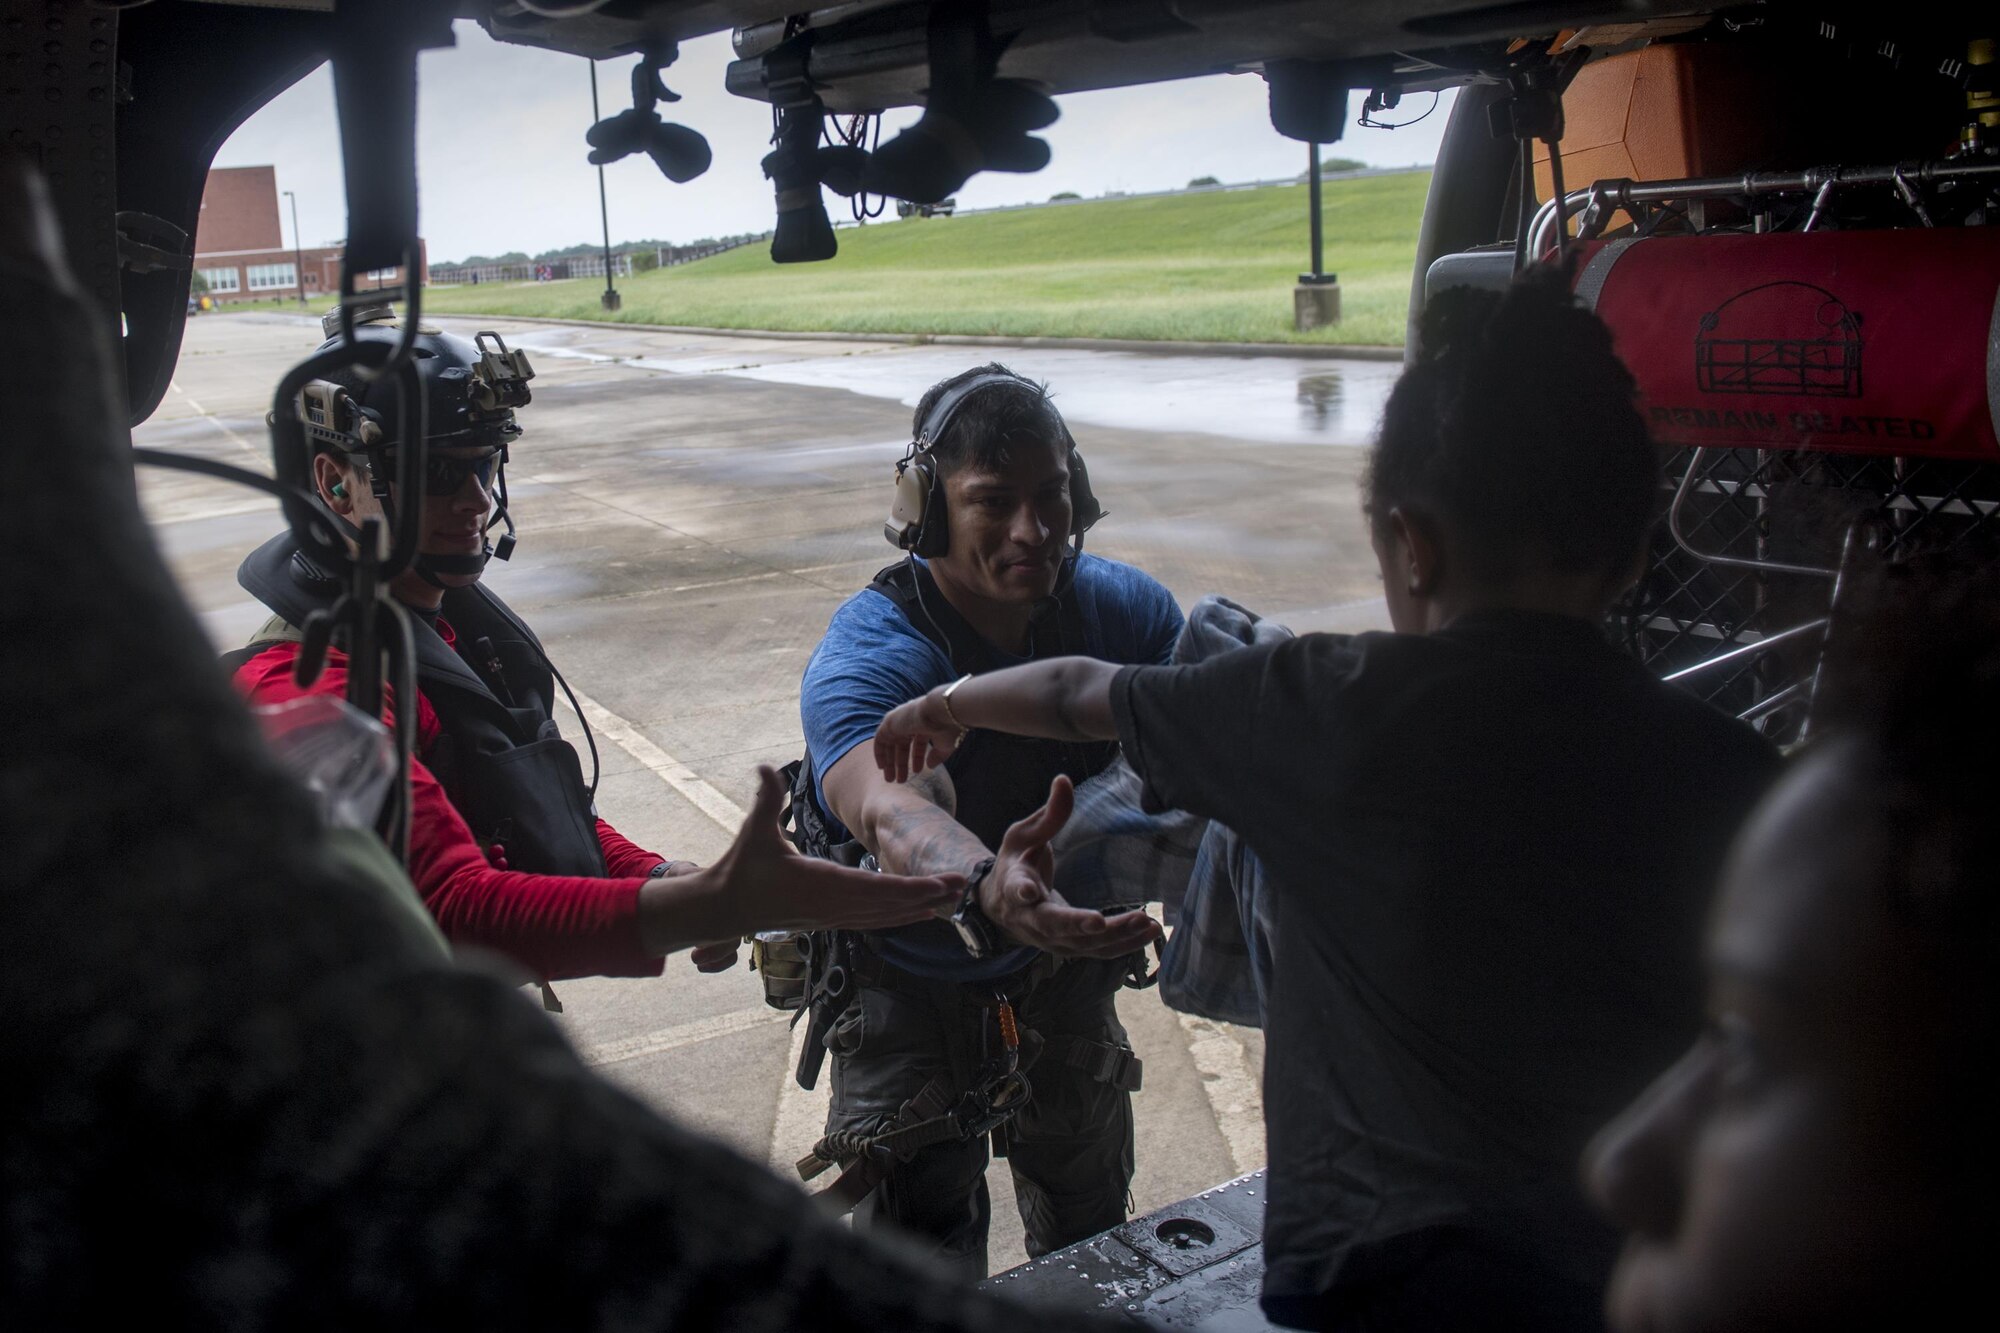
x=873, y=659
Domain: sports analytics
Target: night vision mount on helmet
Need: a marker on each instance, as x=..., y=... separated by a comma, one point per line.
x=470, y=391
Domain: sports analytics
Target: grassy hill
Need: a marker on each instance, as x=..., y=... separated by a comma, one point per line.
x=1194, y=266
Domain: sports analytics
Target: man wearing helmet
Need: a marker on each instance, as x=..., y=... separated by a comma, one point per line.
x=505, y=845
x=991, y=505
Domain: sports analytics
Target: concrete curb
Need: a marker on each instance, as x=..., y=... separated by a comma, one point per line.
x=1310, y=351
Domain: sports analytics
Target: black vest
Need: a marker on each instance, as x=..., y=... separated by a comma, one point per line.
x=507, y=769
x=998, y=778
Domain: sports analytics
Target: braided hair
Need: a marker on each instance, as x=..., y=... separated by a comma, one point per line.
x=1516, y=430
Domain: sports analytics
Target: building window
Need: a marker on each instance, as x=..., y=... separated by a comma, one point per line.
x=219, y=279
x=265, y=277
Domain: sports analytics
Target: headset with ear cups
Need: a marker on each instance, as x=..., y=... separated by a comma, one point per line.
x=918, y=521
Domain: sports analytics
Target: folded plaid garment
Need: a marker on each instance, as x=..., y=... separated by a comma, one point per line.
x=1112, y=853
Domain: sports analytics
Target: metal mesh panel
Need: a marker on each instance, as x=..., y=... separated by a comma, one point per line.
x=1796, y=507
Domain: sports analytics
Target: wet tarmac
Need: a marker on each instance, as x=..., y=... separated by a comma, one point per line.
x=692, y=510
x=1278, y=400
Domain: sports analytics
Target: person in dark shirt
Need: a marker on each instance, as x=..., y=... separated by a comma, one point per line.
x=1489, y=836
x=1820, y=1158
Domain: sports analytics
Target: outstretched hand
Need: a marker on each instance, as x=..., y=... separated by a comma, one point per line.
x=762, y=883
x=1018, y=894
x=915, y=736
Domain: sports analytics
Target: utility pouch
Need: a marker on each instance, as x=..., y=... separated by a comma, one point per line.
x=534, y=794
x=782, y=959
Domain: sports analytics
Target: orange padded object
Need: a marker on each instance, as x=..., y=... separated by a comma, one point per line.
x=1669, y=111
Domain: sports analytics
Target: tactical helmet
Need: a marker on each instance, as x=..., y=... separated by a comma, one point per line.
x=470, y=392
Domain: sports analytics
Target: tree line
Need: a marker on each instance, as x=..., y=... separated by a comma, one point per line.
x=596, y=247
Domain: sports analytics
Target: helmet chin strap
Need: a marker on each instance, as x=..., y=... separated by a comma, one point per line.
x=429, y=568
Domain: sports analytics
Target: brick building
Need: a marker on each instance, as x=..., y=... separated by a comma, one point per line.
x=240, y=250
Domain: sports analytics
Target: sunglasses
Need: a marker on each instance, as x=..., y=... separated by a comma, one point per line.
x=444, y=475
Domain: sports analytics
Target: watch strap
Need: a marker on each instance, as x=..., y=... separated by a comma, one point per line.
x=979, y=935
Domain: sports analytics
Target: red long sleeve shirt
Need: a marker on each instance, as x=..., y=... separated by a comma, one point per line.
x=556, y=926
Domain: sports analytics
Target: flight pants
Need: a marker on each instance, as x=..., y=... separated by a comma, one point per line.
x=1070, y=1147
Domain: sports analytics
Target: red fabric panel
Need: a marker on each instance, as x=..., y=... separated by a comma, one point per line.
x=1872, y=342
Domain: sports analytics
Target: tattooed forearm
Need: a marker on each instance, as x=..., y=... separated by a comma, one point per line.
x=920, y=839
x=934, y=785
x=909, y=826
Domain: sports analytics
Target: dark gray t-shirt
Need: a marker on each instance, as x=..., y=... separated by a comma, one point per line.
x=1491, y=850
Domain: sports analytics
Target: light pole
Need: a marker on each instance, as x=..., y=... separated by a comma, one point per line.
x=1316, y=300
x=610, y=299
x=1312, y=170
x=298, y=250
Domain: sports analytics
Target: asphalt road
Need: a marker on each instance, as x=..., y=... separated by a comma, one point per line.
x=692, y=509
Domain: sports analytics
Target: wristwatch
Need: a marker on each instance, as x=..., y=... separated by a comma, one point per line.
x=981, y=937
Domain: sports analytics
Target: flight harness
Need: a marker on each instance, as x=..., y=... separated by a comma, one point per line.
x=817, y=975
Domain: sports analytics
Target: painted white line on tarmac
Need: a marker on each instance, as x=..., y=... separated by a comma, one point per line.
x=1231, y=1082
x=218, y=423
x=675, y=1037
x=801, y=1118
x=725, y=812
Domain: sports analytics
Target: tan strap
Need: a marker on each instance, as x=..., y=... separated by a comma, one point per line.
x=274, y=631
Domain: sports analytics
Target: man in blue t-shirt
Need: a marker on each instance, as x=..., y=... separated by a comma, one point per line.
x=991, y=504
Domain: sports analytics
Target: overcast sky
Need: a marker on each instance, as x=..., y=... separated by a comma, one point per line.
x=500, y=148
